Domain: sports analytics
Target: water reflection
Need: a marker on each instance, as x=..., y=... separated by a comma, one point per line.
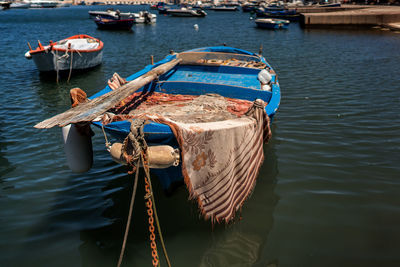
x=242, y=243
x=188, y=237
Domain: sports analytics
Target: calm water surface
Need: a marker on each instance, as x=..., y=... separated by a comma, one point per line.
x=328, y=193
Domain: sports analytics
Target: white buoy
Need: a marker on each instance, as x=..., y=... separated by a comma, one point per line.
x=196, y=27
x=28, y=55
x=78, y=149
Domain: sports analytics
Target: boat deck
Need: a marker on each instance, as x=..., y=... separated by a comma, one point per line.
x=217, y=75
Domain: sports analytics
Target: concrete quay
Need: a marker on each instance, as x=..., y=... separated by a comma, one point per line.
x=353, y=16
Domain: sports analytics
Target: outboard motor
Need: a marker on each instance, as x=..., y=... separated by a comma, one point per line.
x=147, y=17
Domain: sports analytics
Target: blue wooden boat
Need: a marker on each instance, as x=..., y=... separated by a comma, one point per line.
x=268, y=23
x=288, y=14
x=229, y=72
x=114, y=23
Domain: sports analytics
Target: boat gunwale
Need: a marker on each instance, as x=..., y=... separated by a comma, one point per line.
x=78, y=36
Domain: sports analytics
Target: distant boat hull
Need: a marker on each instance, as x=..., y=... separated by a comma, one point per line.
x=114, y=24
x=291, y=15
x=186, y=13
x=44, y=4
x=20, y=5
x=272, y=23
x=55, y=58
x=224, y=8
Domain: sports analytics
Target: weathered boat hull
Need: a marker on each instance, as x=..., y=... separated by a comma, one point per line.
x=53, y=62
x=53, y=58
x=230, y=81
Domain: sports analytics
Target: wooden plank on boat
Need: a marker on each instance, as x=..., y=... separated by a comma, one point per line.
x=88, y=111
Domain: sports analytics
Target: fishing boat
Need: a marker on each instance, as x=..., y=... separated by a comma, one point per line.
x=288, y=14
x=268, y=23
x=200, y=117
x=77, y=52
x=114, y=24
x=186, y=12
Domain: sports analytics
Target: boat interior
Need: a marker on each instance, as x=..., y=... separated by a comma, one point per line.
x=200, y=73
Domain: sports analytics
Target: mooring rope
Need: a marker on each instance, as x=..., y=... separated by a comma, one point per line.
x=56, y=64
x=121, y=255
x=108, y=144
x=70, y=66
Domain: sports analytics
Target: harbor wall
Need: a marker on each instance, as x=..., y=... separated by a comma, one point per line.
x=358, y=16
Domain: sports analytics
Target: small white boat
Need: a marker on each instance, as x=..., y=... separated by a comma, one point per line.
x=20, y=5
x=77, y=52
x=43, y=4
x=145, y=17
x=270, y=23
x=111, y=14
x=185, y=12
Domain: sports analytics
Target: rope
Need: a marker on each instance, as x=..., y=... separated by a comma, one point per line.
x=70, y=66
x=56, y=63
x=134, y=149
x=121, y=255
x=108, y=144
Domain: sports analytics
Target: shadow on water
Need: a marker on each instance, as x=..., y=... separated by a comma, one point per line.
x=5, y=166
x=51, y=76
x=121, y=31
x=188, y=237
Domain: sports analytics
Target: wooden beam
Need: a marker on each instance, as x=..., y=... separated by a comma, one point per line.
x=88, y=111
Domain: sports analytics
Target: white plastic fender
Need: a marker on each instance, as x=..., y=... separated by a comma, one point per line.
x=159, y=157
x=28, y=55
x=264, y=76
x=78, y=149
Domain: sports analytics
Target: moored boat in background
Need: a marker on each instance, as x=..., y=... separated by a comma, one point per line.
x=20, y=5
x=224, y=8
x=269, y=23
x=43, y=4
x=145, y=17
x=288, y=14
x=77, y=52
x=186, y=12
x=114, y=23
x=111, y=14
